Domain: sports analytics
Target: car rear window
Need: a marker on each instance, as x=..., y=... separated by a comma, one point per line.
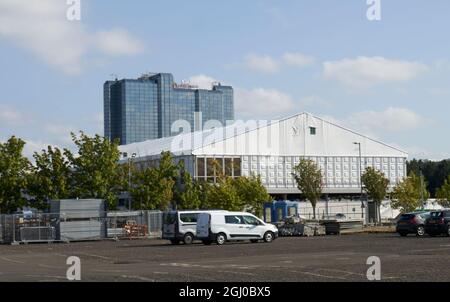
x=234, y=219
x=436, y=214
x=189, y=218
x=406, y=216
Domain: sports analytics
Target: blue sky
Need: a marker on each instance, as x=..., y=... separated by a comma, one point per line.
x=388, y=79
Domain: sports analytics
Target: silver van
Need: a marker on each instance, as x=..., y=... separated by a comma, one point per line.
x=181, y=226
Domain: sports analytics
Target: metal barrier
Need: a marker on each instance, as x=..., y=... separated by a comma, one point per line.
x=49, y=227
x=349, y=212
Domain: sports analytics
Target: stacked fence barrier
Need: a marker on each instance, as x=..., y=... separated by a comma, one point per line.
x=49, y=227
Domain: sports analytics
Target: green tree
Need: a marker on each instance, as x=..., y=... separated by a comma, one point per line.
x=153, y=187
x=223, y=195
x=50, y=177
x=150, y=191
x=95, y=168
x=252, y=193
x=375, y=185
x=14, y=169
x=188, y=194
x=409, y=194
x=443, y=193
x=309, y=181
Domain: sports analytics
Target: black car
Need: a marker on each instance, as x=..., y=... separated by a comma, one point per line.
x=412, y=223
x=438, y=223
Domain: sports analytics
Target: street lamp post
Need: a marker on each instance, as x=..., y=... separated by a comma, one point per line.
x=360, y=176
x=129, y=180
x=130, y=159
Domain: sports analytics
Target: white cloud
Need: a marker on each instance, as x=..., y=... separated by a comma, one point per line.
x=364, y=72
x=424, y=153
x=118, y=42
x=392, y=119
x=314, y=101
x=41, y=27
x=261, y=63
x=378, y=123
x=202, y=81
x=262, y=103
x=297, y=59
x=33, y=146
x=11, y=116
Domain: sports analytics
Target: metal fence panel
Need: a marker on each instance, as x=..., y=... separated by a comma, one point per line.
x=51, y=227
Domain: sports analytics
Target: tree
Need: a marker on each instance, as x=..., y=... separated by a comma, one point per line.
x=153, y=187
x=375, y=184
x=223, y=195
x=14, y=168
x=95, y=168
x=434, y=172
x=188, y=195
x=252, y=193
x=309, y=181
x=50, y=177
x=409, y=194
x=443, y=193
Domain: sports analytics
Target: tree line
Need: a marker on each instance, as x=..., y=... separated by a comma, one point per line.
x=94, y=171
x=407, y=195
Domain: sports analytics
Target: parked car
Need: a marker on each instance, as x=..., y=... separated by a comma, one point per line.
x=412, y=223
x=180, y=226
x=438, y=223
x=221, y=227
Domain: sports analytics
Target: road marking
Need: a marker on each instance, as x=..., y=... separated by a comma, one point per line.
x=430, y=250
x=238, y=273
x=12, y=260
x=138, y=278
x=108, y=271
x=49, y=266
x=95, y=256
x=341, y=271
x=318, y=275
x=46, y=276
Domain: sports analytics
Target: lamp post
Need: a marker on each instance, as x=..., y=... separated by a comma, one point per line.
x=360, y=176
x=125, y=155
x=129, y=180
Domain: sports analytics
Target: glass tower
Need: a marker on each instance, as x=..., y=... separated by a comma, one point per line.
x=141, y=109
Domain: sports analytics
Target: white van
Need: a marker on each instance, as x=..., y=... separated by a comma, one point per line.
x=220, y=227
x=180, y=226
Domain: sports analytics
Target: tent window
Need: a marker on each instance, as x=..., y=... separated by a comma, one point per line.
x=312, y=130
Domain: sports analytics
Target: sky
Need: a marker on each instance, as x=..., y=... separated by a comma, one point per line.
x=387, y=78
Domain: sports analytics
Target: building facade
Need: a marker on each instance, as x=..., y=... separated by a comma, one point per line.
x=273, y=150
x=137, y=110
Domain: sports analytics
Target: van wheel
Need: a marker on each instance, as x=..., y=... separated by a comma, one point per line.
x=448, y=231
x=268, y=237
x=420, y=231
x=188, y=238
x=174, y=242
x=254, y=240
x=221, y=238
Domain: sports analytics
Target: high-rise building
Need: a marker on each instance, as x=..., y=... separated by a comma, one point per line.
x=137, y=110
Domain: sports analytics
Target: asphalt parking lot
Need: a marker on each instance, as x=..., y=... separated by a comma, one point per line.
x=329, y=258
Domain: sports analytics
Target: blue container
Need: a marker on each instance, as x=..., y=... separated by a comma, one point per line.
x=277, y=211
